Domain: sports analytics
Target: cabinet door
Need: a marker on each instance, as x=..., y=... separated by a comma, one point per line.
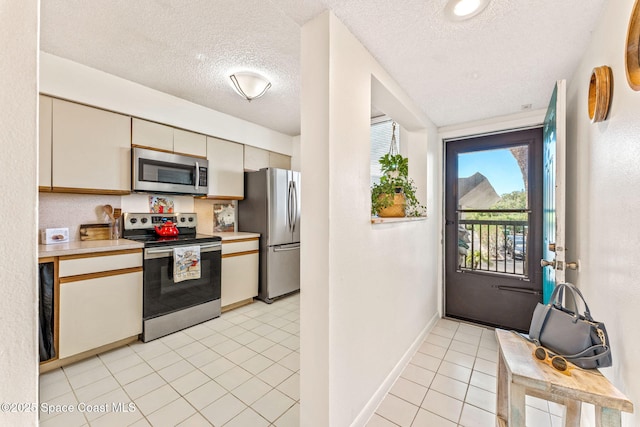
x=255, y=158
x=150, y=134
x=239, y=278
x=91, y=149
x=279, y=161
x=226, y=169
x=44, y=148
x=185, y=142
x=99, y=311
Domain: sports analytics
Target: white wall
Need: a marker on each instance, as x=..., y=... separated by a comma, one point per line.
x=295, y=153
x=18, y=181
x=70, y=80
x=603, y=201
x=368, y=292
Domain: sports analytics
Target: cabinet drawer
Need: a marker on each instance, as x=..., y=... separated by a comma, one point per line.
x=240, y=246
x=75, y=265
x=100, y=311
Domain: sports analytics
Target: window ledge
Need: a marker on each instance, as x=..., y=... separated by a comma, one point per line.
x=378, y=220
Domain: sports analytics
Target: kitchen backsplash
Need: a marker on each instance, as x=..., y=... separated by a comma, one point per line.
x=59, y=210
x=204, y=209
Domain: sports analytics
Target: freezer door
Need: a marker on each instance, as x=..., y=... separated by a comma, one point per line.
x=283, y=271
x=279, y=190
x=295, y=179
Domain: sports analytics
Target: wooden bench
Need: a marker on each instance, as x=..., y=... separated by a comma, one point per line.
x=520, y=374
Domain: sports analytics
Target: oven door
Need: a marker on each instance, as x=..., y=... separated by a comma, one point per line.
x=163, y=296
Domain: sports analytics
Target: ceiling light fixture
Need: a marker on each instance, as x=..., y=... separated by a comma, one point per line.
x=249, y=85
x=459, y=10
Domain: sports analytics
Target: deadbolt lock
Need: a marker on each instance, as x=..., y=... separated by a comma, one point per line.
x=552, y=247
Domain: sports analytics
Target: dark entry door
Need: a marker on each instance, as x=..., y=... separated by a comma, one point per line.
x=493, y=202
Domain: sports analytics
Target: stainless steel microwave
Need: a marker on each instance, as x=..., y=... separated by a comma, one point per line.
x=162, y=172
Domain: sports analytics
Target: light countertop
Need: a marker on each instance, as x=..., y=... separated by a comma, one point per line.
x=86, y=246
x=235, y=235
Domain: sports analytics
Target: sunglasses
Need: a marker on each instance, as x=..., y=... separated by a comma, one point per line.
x=559, y=363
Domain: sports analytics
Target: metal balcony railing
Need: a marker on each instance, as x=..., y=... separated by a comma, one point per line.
x=498, y=246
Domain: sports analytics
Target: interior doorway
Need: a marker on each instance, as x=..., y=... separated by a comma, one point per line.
x=493, y=210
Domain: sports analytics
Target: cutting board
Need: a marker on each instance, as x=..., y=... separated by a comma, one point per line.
x=95, y=232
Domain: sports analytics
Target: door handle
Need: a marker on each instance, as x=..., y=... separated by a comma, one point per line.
x=545, y=263
x=573, y=265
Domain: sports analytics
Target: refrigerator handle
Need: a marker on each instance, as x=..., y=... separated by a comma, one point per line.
x=295, y=205
x=289, y=212
x=289, y=247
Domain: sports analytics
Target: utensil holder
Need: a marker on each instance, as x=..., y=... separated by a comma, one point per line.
x=115, y=230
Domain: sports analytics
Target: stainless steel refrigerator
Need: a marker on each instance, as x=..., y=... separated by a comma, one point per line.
x=271, y=207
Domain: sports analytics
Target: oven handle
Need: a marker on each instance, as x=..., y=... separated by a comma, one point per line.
x=215, y=246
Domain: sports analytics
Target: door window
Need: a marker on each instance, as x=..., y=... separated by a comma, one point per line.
x=493, y=210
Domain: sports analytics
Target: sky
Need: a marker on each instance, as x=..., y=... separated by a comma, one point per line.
x=499, y=166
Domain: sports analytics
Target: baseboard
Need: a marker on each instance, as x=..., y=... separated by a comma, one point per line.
x=369, y=409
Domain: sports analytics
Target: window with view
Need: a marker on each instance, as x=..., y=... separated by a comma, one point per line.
x=380, y=140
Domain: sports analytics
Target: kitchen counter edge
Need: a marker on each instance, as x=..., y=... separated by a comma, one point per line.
x=86, y=246
x=229, y=236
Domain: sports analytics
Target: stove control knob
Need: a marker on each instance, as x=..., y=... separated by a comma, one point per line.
x=133, y=220
x=144, y=220
x=190, y=219
x=183, y=219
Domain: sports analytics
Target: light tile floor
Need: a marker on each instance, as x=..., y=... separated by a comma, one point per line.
x=451, y=381
x=243, y=370
x=240, y=370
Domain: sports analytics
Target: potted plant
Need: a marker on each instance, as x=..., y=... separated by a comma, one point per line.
x=395, y=194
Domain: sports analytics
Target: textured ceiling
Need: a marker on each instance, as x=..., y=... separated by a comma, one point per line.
x=508, y=56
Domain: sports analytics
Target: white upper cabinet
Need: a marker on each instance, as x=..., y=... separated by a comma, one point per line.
x=279, y=161
x=255, y=158
x=150, y=134
x=162, y=137
x=44, y=150
x=91, y=150
x=185, y=142
x=226, y=169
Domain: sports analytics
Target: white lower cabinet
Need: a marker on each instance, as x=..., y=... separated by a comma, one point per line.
x=239, y=271
x=99, y=308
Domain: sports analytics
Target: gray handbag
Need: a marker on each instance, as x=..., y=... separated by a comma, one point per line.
x=578, y=338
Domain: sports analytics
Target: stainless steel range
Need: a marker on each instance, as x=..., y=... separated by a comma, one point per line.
x=170, y=305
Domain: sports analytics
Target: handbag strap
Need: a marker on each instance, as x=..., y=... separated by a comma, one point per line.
x=587, y=312
x=581, y=356
x=558, y=293
x=578, y=357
